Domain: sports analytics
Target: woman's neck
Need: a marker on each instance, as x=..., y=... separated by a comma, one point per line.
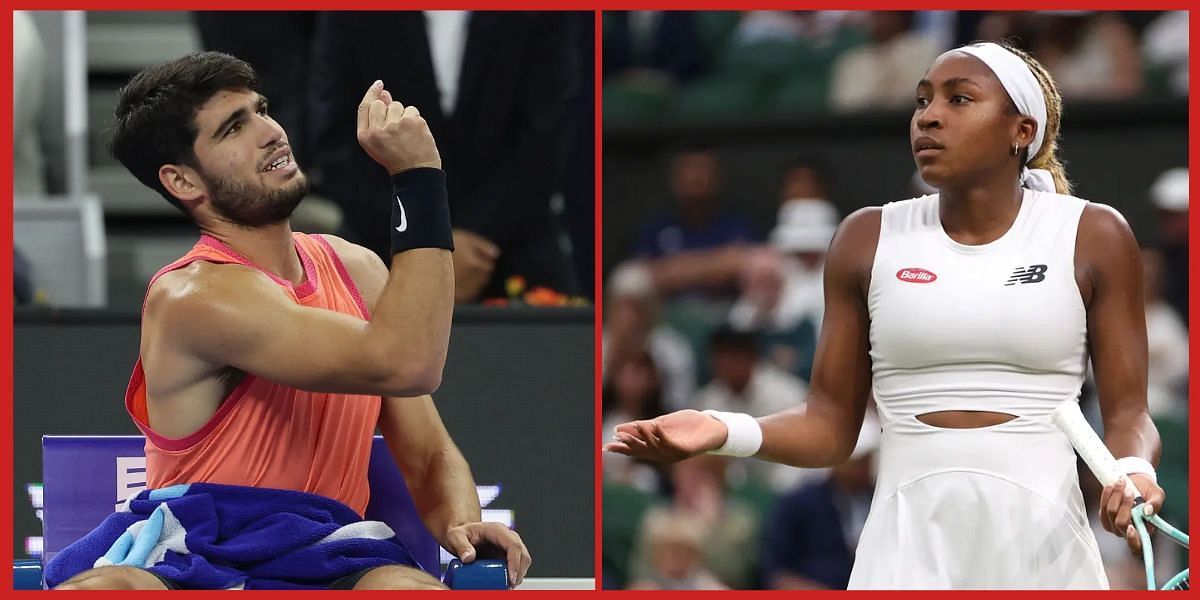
x=981, y=212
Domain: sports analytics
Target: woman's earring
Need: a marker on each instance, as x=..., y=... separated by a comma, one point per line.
x=1015, y=149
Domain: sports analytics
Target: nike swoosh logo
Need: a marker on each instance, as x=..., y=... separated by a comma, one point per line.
x=403, y=220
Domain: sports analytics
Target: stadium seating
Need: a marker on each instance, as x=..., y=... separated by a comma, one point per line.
x=633, y=101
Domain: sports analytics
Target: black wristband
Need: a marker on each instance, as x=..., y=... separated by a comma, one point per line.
x=420, y=210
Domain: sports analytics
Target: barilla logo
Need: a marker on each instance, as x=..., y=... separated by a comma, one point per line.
x=915, y=275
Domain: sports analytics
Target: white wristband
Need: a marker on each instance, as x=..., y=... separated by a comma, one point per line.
x=745, y=434
x=1136, y=464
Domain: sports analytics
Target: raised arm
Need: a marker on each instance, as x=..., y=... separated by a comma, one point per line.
x=233, y=316
x=823, y=431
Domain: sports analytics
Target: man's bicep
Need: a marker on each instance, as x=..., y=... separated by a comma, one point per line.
x=311, y=349
x=247, y=325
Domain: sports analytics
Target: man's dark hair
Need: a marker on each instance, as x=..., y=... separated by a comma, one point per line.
x=156, y=112
x=728, y=339
x=814, y=163
x=684, y=149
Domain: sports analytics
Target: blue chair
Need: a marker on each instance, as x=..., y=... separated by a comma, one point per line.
x=27, y=574
x=85, y=478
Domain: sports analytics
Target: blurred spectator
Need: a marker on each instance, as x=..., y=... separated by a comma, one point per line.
x=1167, y=338
x=782, y=289
x=1170, y=196
x=1091, y=55
x=716, y=270
x=883, y=73
x=495, y=89
x=804, y=179
x=805, y=230
x=939, y=26
x=698, y=222
x=820, y=28
x=968, y=27
x=729, y=528
x=282, y=65
x=624, y=512
x=632, y=393
x=744, y=382
x=761, y=285
x=994, y=26
x=1165, y=46
x=28, y=71
x=809, y=541
x=633, y=326
x=674, y=547
x=652, y=45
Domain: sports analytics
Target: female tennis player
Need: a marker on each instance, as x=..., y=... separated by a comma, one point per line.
x=969, y=314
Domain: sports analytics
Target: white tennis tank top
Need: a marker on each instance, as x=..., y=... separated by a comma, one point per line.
x=996, y=327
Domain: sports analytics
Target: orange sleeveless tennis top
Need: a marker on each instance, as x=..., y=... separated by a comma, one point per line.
x=266, y=434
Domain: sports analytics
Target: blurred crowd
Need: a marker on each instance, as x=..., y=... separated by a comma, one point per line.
x=508, y=96
x=699, y=64
x=707, y=313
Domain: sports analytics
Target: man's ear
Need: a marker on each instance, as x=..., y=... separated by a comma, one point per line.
x=184, y=183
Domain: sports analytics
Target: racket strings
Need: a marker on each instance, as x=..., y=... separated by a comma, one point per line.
x=1182, y=581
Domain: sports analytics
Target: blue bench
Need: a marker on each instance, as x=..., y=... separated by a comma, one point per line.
x=85, y=478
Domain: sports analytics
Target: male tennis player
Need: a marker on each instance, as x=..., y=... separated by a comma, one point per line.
x=268, y=357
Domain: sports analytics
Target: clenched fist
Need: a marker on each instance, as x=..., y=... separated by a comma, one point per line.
x=394, y=135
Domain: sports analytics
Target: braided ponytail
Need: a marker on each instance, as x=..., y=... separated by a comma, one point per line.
x=1047, y=157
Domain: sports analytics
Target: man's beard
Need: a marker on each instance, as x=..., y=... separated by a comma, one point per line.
x=241, y=204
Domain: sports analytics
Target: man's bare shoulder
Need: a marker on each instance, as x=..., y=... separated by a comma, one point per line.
x=205, y=293
x=364, y=265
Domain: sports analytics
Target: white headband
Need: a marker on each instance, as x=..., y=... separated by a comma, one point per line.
x=1026, y=93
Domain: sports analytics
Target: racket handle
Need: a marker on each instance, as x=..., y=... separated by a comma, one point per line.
x=1069, y=419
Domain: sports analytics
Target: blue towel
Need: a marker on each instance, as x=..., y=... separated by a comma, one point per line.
x=210, y=536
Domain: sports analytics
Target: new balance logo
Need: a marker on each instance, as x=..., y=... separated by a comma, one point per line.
x=1030, y=274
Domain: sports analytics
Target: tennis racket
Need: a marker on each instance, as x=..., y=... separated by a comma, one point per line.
x=1069, y=419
